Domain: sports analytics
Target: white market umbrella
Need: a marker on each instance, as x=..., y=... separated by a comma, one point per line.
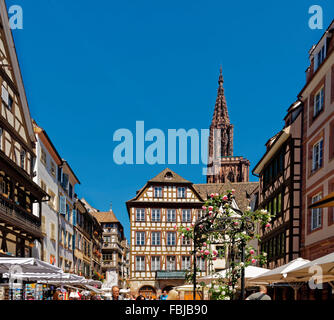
x=124, y=291
x=107, y=294
x=29, y=265
x=280, y=274
x=91, y=288
x=65, y=278
x=306, y=271
x=250, y=272
x=74, y=295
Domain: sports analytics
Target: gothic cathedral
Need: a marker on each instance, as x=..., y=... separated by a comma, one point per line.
x=223, y=166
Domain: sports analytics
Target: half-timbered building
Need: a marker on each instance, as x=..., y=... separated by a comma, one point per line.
x=280, y=171
x=87, y=242
x=19, y=226
x=113, y=249
x=159, y=256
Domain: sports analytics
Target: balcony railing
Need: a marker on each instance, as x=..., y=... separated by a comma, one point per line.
x=110, y=231
x=111, y=245
x=109, y=264
x=15, y=213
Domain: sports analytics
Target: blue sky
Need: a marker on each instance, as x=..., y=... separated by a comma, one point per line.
x=92, y=67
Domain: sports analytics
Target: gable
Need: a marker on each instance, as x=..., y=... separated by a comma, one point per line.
x=169, y=194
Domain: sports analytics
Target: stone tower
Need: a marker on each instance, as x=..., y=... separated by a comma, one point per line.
x=223, y=166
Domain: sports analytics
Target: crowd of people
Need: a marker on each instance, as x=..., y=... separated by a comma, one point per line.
x=171, y=295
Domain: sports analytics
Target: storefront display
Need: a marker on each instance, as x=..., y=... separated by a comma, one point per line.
x=16, y=291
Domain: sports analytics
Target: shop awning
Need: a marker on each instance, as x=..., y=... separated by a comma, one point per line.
x=91, y=288
x=325, y=202
x=250, y=272
x=280, y=274
x=26, y=265
x=324, y=264
x=161, y=275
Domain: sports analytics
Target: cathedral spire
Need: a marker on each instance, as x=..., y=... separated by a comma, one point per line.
x=221, y=81
x=220, y=115
x=222, y=165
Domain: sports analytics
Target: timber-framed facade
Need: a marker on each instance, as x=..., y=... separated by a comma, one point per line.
x=280, y=172
x=19, y=226
x=159, y=256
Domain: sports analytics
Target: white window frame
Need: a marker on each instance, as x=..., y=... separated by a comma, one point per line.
x=316, y=213
x=317, y=155
x=140, y=263
x=186, y=215
x=140, y=214
x=201, y=213
x=140, y=238
x=318, y=102
x=186, y=242
x=155, y=263
x=181, y=192
x=156, y=215
x=200, y=262
x=157, y=192
x=156, y=238
x=186, y=263
x=171, y=239
x=5, y=95
x=171, y=215
x=171, y=263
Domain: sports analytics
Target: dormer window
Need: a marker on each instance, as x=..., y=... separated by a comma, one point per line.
x=320, y=57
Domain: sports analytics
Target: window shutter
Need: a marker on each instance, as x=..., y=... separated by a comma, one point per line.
x=5, y=95
x=62, y=205
x=52, y=231
x=74, y=216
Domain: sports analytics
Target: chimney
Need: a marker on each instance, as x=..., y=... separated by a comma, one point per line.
x=110, y=206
